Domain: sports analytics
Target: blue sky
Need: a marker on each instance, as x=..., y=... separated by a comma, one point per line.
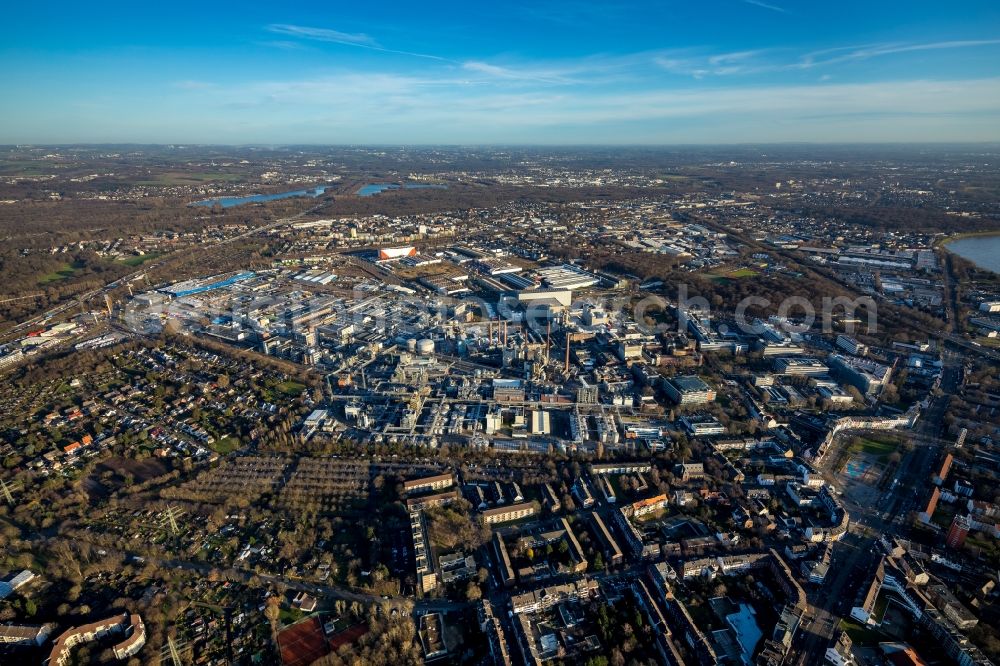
x=695, y=71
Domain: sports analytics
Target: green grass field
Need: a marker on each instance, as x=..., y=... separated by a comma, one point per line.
x=66, y=272
x=225, y=445
x=291, y=388
x=736, y=274
x=878, y=447
x=290, y=616
x=859, y=634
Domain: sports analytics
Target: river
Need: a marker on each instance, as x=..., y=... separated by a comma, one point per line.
x=374, y=188
x=229, y=202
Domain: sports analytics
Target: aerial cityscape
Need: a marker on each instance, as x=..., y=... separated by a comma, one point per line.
x=580, y=334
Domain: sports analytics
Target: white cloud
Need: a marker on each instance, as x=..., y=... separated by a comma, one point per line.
x=389, y=107
x=321, y=34
x=737, y=56
x=851, y=53
x=359, y=39
x=605, y=98
x=765, y=5
x=518, y=74
x=765, y=61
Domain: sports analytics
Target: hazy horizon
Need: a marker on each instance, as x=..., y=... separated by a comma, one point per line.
x=907, y=145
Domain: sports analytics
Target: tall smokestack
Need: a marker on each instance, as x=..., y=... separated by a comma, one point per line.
x=566, y=367
x=548, y=339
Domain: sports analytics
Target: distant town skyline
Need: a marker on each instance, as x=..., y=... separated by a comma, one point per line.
x=728, y=71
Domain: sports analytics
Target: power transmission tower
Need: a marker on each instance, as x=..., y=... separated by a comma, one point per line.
x=173, y=651
x=170, y=516
x=8, y=490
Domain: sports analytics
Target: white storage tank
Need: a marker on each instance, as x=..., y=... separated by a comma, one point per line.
x=411, y=345
x=425, y=346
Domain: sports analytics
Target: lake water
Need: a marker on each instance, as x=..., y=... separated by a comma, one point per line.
x=374, y=188
x=229, y=202
x=983, y=251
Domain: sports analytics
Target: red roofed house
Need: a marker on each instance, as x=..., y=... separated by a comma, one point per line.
x=945, y=468
x=928, y=513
